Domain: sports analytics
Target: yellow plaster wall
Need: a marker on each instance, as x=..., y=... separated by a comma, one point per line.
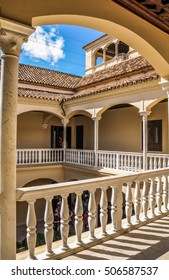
x=120, y=130
x=88, y=131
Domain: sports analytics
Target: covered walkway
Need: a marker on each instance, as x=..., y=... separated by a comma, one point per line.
x=150, y=242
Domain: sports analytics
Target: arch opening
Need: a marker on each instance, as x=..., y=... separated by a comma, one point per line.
x=143, y=42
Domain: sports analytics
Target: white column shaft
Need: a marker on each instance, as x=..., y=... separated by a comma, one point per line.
x=10, y=44
x=168, y=119
x=8, y=103
x=145, y=141
x=96, y=139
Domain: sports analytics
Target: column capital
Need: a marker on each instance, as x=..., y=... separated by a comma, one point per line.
x=165, y=85
x=12, y=36
x=96, y=118
x=145, y=113
x=64, y=121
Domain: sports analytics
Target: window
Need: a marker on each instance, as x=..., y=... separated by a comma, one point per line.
x=155, y=135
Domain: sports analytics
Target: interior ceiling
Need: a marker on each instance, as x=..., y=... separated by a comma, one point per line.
x=154, y=11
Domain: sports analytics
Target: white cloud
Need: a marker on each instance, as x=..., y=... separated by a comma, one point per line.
x=43, y=45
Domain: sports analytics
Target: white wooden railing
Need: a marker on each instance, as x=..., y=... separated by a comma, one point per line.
x=147, y=191
x=105, y=159
x=120, y=160
x=82, y=157
x=156, y=161
x=39, y=156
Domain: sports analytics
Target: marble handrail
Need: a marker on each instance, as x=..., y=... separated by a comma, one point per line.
x=144, y=191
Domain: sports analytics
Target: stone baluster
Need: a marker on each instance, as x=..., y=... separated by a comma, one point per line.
x=140, y=162
x=152, y=197
x=155, y=162
x=151, y=163
x=103, y=211
x=48, y=232
x=132, y=163
x=128, y=204
x=31, y=230
x=78, y=218
x=64, y=229
x=145, y=200
x=116, y=208
x=159, y=195
x=137, y=202
x=117, y=162
x=125, y=163
x=165, y=193
x=92, y=214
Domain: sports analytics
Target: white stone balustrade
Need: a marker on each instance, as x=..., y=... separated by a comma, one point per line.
x=48, y=232
x=39, y=156
x=64, y=229
x=128, y=204
x=159, y=194
x=165, y=192
x=92, y=214
x=31, y=229
x=103, y=211
x=149, y=188
x=80, y=157
x=79, y=218
x=137, y=202
x=116, y=207
x=132, y=162
x=152, y=197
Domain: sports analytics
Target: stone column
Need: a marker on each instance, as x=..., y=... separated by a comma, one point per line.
x=104, y=55
x=96, y=137
x=64, y=122
x=168, y=119
x=145, y=115
x=116, y=49
x=12, y=36
x=165, y=87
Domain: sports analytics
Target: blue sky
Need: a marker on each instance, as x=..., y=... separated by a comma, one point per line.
x=59, y=47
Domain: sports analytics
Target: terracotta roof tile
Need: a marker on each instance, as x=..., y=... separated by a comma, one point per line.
x=39, y=94
x=41, y=76
x=126, y=73
x=125, y=68
x=115, y=84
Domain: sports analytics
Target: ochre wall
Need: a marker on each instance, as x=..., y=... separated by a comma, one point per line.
x=119, y=129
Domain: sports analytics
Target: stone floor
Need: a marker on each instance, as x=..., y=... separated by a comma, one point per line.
x=150, y=242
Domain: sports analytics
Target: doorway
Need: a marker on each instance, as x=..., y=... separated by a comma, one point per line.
x=57, y=133
x=79, y=137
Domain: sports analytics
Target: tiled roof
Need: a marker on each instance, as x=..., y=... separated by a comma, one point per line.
x=40, y=94
x=116, y=83
x=41, y=76
x=123, y=69
x=126, y=73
